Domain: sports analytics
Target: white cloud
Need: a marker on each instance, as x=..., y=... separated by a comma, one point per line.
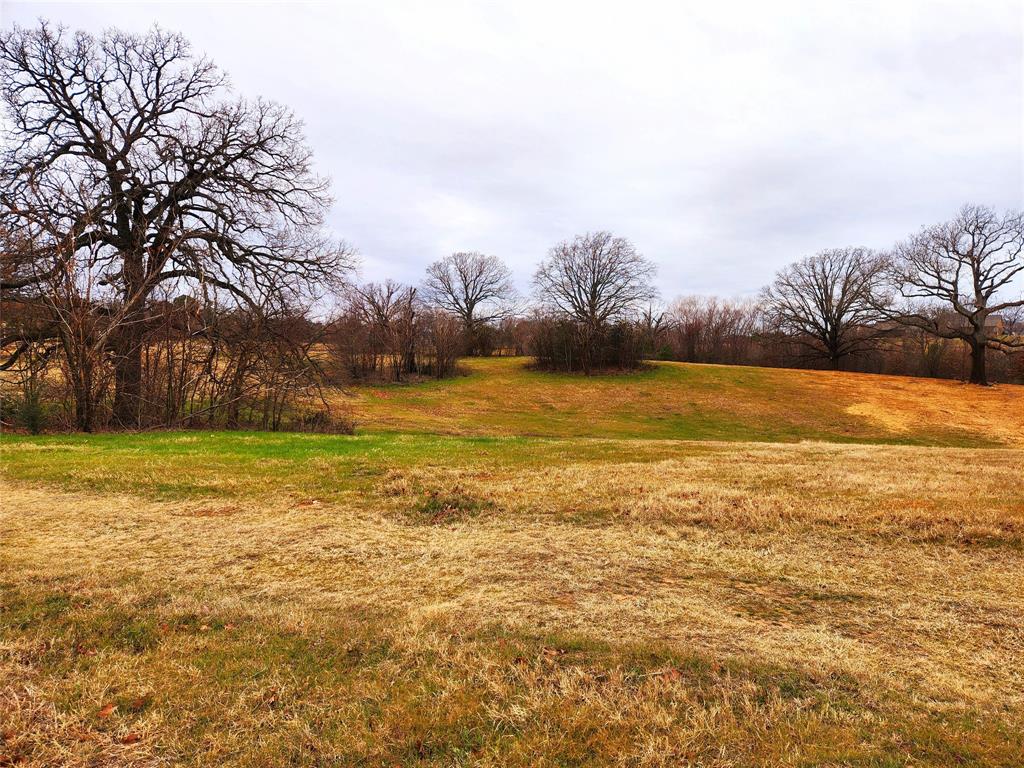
x=724, y=139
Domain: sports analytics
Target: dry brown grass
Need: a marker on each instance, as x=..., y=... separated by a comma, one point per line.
x=755, y=605
x=768, y=599
x=907, y=493
x=688, y=401
x=903, y=404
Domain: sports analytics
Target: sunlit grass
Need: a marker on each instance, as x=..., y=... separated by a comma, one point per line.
x=526, y=589
x=696, y=402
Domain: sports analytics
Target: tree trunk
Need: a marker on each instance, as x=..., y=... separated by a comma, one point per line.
x=409, y=355
x=469, y=339
x=83, y=404
x=80, y=376
x=128, y=375
x=127, y=346
x=978, y=375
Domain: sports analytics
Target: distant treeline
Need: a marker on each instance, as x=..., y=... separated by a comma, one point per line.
x=166, y=263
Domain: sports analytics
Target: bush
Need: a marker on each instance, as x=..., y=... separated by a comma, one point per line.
x=323, y=421
x=566, y=345
x=10, y=406
x=32, y=411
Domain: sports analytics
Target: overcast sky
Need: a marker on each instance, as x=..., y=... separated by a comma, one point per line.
x=725, y=139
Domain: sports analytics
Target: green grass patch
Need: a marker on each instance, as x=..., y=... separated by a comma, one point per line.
x=181, y=465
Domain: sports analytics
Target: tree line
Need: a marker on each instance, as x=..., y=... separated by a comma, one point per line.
x=165, y=262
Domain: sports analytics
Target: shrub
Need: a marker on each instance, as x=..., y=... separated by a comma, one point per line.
x=566, y=345
x=323, y=421
x=32, y=411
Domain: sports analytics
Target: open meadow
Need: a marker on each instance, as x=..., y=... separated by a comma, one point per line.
x=698, y=566
x=511, y=385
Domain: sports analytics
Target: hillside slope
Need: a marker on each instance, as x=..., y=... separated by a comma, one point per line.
x=502, y=396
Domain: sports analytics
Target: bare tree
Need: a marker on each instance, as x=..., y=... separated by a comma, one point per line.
x=127, y=147
x=591, y=287
x=973, y=265
x=57, y=311
x=707, y=329
x=653, y=324
x=389, y=310
x=440, y=342
x=595, y=279
x=477, y=289
x=829, y=303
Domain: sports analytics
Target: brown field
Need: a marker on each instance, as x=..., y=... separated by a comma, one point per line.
x=688, y=401
x=410, y=599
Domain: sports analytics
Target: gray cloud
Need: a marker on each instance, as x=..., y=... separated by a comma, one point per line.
x=724, y=139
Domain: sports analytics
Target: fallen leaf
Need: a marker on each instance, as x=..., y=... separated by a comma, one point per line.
x=106, y=710
x=270, y=699
x=130, y=738
x=140, y=702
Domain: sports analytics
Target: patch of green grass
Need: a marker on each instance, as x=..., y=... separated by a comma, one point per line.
x=179, y=465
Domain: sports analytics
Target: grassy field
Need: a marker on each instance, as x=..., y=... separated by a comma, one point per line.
x=698, y=566
x=698, y=402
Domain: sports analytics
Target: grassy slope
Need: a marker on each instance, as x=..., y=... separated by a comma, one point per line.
x=471, y=598
x=698, y=402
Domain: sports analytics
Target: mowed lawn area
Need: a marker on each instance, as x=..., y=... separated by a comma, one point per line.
x=696, y=565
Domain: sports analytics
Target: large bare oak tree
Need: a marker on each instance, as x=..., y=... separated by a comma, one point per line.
x=595, y=279
x=127, y=153
x=829, y=303
x=476, y=288
x=971, y=269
